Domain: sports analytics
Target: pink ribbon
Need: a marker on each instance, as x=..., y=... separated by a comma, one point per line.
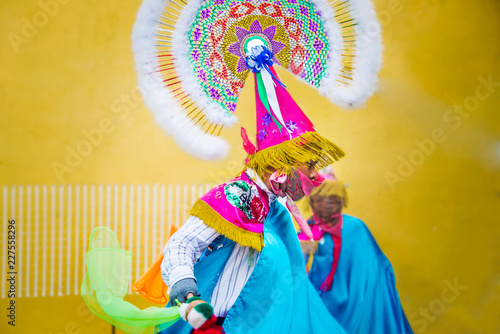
x=304, y=227
x=336, y=233
x=247, y=144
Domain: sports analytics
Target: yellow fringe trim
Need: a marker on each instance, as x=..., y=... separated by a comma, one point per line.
x=310, y=146
x=214, y=220
x=331, y=188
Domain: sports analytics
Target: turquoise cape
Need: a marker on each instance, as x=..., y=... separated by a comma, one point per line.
x=363, y=297
x=278, y=297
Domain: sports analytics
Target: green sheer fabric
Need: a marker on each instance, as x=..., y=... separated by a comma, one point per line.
x=109, y=271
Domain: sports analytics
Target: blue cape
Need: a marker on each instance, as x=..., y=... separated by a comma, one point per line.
x=278, y=297
x=363, y=297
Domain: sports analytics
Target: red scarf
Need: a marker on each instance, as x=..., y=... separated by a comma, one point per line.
x=335, y=232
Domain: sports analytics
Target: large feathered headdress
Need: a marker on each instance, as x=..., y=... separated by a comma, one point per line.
x=192, y=58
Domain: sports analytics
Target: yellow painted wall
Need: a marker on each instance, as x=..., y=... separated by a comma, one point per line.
x=423, y=174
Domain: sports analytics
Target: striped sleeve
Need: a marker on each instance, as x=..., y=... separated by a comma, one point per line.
x=233, y=278
x=184, y=248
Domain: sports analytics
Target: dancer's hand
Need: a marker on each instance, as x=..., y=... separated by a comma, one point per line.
x=196, y=312
x=182, y=290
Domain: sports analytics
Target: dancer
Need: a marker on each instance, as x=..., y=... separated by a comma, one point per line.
x=349, y=271
x=249, y=265
x=239, y=250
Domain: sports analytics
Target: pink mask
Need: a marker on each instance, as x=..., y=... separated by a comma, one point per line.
x=296, y=185
x=308, y=185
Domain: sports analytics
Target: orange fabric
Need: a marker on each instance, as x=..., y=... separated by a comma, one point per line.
x=151, y=284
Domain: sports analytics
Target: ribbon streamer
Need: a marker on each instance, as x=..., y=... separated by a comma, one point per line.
x=261, y=58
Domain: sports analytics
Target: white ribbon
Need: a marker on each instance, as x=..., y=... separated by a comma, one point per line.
x=270, y=85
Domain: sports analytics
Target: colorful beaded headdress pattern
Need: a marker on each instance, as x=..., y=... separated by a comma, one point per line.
x=191, y=58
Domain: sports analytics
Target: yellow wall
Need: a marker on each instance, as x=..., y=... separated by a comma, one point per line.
x=433, y=207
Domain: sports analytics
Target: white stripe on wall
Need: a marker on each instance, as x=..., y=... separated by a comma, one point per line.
x=92, y=208
x=44, y=241
x=154, y=245
x=115, y=209
x=124, y=208
x=170, y=205
x=54, y=223
x=138, y=227
x=146, y=228
x=27, y=262
x=61, y=235
x=52, y=239
x=163, y=236
x=131, y=227
x=37, y=219
x=108, y=207
x=85, y=231
x=20, y=242
x=77, y=239
x=184, y=202
x=68, y=240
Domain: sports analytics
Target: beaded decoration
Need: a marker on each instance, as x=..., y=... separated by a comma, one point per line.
x=293, y=32
x=245, y=198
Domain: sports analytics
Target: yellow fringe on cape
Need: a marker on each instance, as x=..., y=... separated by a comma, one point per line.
x=310, y=146
x=211, y=218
